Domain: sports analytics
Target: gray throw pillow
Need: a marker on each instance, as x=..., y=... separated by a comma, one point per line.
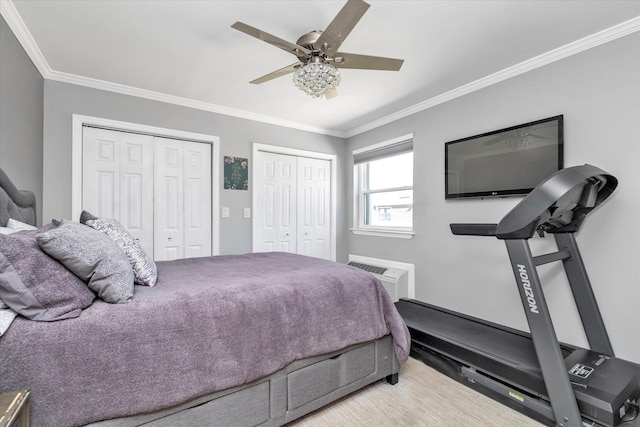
x=36, y=285
x=86, y=216
x=93, y=257
x=145, y=271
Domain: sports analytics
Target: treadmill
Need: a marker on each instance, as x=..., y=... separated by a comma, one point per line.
x=555, y=383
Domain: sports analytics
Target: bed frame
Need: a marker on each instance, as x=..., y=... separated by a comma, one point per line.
x=298, y=389
x=290, y=393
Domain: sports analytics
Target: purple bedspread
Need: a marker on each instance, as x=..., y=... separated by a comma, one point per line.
x=208, y=324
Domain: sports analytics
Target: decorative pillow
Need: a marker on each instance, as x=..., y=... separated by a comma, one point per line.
x=36, y=285
x=86, y=216
x=145, y=271
x=93, y=257
x=17, y=225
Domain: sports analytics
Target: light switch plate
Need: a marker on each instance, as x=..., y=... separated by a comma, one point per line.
x=225, y=212
x=247, y=212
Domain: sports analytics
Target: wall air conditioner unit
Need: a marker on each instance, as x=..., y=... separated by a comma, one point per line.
x=394, y=280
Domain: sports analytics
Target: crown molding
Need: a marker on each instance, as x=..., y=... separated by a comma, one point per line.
x=17, y=25
x=596, y=39
x=184, y=102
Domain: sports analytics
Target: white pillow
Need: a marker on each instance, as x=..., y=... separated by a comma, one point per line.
x=19, y=226
x=6, y=317
x=5, y=231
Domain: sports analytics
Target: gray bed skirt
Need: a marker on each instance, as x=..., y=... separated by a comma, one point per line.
x=296, y=390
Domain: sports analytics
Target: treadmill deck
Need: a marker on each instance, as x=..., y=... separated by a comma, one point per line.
x=504, y=354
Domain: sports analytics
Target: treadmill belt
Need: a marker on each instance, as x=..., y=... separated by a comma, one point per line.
x=505, y=346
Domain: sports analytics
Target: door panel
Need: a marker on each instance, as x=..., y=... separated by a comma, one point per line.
x=101, y=172
x=136, y=187
x=287, y=214
x=314, y=207
x=197, y=199
x=132, y=206
x=118, y=180
x=168, y=200
x=107, y=193
x=276, y=210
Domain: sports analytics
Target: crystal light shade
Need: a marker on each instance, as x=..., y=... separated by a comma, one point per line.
x=519, y=140
x=316, y=78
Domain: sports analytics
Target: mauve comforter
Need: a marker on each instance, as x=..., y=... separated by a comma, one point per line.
x=208, y=324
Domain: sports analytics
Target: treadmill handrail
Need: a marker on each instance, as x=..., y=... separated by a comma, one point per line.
x=538, y=207
x=463, y=229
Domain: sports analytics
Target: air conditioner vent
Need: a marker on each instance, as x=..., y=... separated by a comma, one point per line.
x=394, y=280
x=369, y=268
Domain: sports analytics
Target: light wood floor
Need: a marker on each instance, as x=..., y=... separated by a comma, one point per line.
x=422, y=397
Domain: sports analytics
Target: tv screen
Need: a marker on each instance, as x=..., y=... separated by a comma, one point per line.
x=506, y=162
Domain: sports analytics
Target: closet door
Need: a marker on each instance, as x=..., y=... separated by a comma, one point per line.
x=118, y=180
x=168, y=200
x=197, y=199
x=314, y=207
x=276, y=203
x=182, y=199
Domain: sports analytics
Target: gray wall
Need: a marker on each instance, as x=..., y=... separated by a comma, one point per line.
x=62, y=100
x=598, y=91
x=21, y=96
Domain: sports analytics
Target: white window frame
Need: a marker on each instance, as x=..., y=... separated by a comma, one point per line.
x=360, y=194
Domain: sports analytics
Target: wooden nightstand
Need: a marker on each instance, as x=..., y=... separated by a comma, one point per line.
x=14, y=409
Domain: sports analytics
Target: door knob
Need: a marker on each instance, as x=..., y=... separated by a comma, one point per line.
x=169, y=239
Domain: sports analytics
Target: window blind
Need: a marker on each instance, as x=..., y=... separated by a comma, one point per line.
x=404, y=146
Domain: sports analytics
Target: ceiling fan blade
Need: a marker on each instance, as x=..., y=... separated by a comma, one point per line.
x=503, y=137
x=536, y=136
x=331, y=94
x=341, y=26
x=366, y=62
x=495, y=140
x=273, y=40
x=278, y=73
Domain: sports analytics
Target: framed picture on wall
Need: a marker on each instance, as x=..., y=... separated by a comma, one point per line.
x=236, y=173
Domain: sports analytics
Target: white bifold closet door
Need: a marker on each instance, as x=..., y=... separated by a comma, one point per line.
x=159, y=189
x=117, y=180
x=277, y=203
x=314, y=208
x=182, y=195
x=293, y=205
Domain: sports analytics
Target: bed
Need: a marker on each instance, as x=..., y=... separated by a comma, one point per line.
x=254, y=339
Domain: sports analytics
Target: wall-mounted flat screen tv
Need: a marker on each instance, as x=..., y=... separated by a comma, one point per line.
x=505, y=162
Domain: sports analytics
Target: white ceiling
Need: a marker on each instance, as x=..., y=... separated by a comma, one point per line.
x=186, y=52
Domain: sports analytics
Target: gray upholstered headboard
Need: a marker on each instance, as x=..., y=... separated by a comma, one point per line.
x=14, y=203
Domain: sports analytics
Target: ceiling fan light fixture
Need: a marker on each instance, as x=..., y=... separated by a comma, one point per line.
x=316, y=78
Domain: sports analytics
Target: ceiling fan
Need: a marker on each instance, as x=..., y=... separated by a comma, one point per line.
x=316, y=72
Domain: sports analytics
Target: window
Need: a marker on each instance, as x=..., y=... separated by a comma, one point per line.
x=383, y=178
